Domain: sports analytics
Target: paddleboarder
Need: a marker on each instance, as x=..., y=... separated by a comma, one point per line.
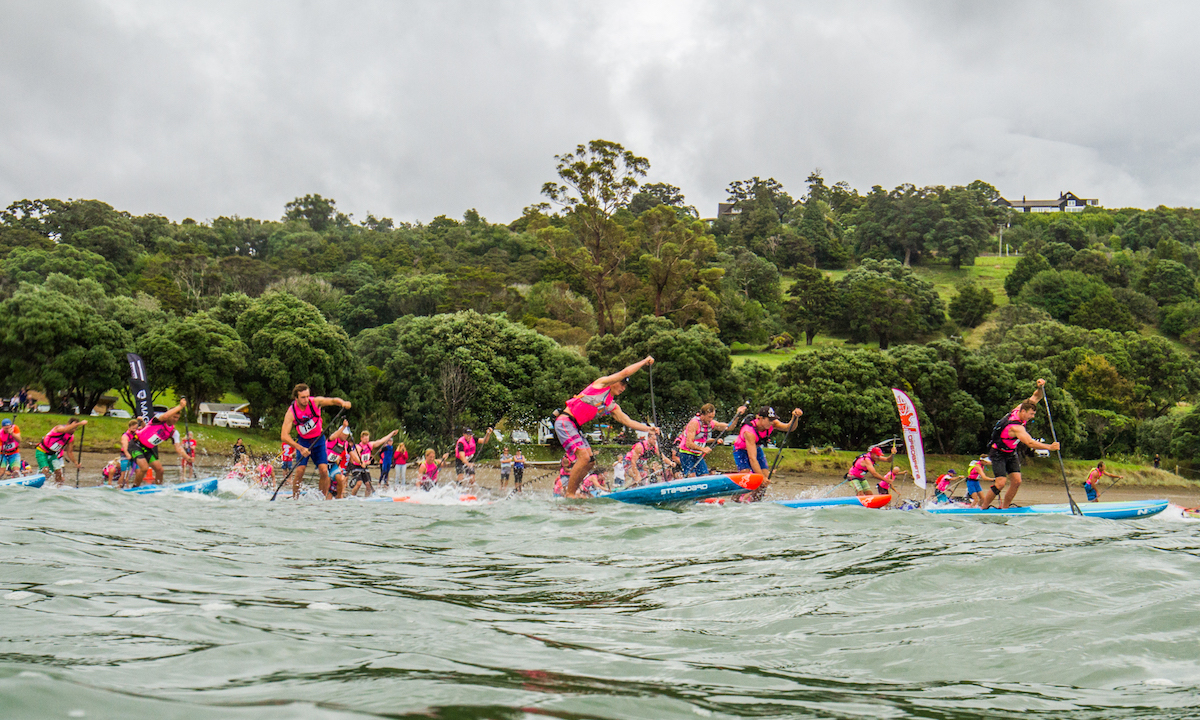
x=144, y=447
x=598, y=398
x=634, y=462
x=748, y=451
x=864, y=467
x=10, y=449
x=187, y=461
x=128, y=466
x=888, y=484
x=1089, y=485
x=305, y=414
x=465, y=450
x=1008, y=433
x=428, y=469
x=975, y=475
x=360, y=460
x=693, y=441
x=337, y=448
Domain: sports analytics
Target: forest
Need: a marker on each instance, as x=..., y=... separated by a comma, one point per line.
x=431, y=325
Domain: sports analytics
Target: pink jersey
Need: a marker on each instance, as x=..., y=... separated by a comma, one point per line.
x=749, y=432
x=336, y=450
x=1095, y=475
x=155, y=433
x=307, y=418
x=429, y=471
x=288, y=454
x=466, y=446
x=9, y=443
x=703, y=434
x=56, y=442
x=589, y=403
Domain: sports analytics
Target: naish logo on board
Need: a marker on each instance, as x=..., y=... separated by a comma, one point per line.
x=684, y=488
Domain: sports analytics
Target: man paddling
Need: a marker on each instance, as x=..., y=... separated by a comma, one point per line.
x=305, y=414
x=1008, y=433
x=1089, y=485
x=465, y=450
x=144, y=448
x=10, y=449
x=864, y=466
x=60, y=440
x=598, y=398
x=748, y=447
x=693, y=441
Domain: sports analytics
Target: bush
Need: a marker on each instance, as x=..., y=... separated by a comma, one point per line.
x=972, y=304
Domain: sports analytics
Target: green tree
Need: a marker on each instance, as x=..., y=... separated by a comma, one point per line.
x=61, y=344
x=814, y=304
x=1185, y=438
x=597, y=179
x=678, y=281
x=199, y=356
x=34, y=266
x=288, y=341
x=320, y=213
x=885, y=300
x=972, y=304
x=1167, y=282
x=1028, y=266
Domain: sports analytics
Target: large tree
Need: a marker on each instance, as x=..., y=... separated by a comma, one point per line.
x=596, y=180
x=199, y=356
x=678, y=282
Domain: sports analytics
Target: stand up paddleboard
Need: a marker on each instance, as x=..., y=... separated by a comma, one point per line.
x=868, y=501
x=207, y=486
x=688, y=489
x=34, y=481
x=411, y=499
x=1109, y=510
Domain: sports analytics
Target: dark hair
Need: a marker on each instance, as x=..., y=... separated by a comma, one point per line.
x=1028, y=405
x=766, y=411
x=708, y=408
x=300, y=387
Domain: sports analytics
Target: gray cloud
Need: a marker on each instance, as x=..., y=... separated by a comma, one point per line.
x=413, y=109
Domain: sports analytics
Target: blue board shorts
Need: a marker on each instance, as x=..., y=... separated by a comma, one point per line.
x=316, y=450
x=693, y=464
x=1091, y=491
x=973, y=487
x=742, y=458
x=11, y=462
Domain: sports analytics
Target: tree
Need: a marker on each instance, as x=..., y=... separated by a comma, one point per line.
x=199, y=356
x=1105, y=425
x=1167, y=282
x=972, y=304
x=288, y=341
x=597, y=179
x=515, y=372
x=34, y=266
x=320, y=213
x=1185, y=438
x=61, y=344
x=678, y=281
x=886, y=300
x=1029, y=265
x=851, y=388
x=814, y=304
x=1061, y=293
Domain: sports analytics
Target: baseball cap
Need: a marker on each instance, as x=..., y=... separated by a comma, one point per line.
x=876, y=452
x=5, y=422
x=468, y=431
x=766, y=411
x=951, y=472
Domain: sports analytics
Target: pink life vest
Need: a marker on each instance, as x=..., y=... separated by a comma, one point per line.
x=307, y=420
x=55, y=442
x=466, y=445
x=9, y=443
x=335, y=449
x=859, y=468
x=1094, y=475
x=645, y=446
x=592, y=401
x=703, y=433
x=429, y=471
x=153, y=434
x=1009, y=444
x=758, y=435
x=364, y=453
x=975, y=471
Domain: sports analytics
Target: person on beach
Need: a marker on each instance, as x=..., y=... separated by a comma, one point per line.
x=518, y=470
x=1008, y=433
x=1157, y=461
x=144, y=447
x=619, y=472
x=634, y=462
x=864, y=467
x=239, y=449
x=748, y=451
x=465, y=450
x=360, y=460
x=187, y=461
x=693, y=441
x=386, y=456
x=1089, y=485
x=975, y=475
x=305, y=414
x=506, y=461
x=429, y=469
x=400, y=461
x=888, y=484
x=597, y=399
x=10, y=449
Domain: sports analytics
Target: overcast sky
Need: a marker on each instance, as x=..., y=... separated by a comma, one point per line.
x=415, y=109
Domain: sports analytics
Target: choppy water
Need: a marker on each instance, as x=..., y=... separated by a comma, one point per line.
x=189, y=607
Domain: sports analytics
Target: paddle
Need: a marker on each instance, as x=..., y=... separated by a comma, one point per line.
x=79, y=455
x=332, y=423
x=186, y=431
x=1074, y=508
x=1110, y=487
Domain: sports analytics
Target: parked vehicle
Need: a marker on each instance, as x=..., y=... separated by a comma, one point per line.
x=118, y=413
x=520, y=436
x=231, y=420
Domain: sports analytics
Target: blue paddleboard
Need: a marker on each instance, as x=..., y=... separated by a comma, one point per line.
x=208, y=486
x=867, y=501
x=26, y=481
x=688, y=489
x=1109, y=510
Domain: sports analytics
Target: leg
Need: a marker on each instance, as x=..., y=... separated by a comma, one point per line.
x=139, y=474
x=1011, y=491
x=158, y=472
x=297, y=477
x=581, y=468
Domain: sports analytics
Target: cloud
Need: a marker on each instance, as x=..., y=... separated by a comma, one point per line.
x=411, y=109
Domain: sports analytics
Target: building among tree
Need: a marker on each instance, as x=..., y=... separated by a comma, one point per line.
x=1066, y=202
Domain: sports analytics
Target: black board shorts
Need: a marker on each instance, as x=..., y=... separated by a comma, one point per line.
x=1003, y=463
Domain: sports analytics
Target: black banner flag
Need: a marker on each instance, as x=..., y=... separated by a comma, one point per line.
x=139, y=386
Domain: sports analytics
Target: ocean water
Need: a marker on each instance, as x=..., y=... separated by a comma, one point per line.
x=176, y=606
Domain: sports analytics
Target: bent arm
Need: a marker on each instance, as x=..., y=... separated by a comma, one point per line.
x=1023, y=435
x=1039, y=393
x=620, y=375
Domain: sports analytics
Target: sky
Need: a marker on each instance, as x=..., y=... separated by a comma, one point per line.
x=410, y=110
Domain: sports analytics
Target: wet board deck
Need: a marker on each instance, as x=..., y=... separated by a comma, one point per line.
x=688, y=489
x=1109, y=510
x=207, y=486
x=413, y=500
x=868, y=501
x=33, y=481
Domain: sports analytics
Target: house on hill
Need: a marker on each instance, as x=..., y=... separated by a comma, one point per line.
x=1066, y=202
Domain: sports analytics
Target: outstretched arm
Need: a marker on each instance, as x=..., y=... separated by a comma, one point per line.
x=620, y=375
x=1024, y=436
x=629, y=422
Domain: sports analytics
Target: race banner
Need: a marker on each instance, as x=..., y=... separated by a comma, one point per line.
x=912, y=436
x=139, y=386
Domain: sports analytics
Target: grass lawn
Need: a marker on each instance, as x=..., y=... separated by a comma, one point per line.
x=774, y=358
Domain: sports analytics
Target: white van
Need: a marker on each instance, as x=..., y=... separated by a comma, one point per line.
x=231, y=420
